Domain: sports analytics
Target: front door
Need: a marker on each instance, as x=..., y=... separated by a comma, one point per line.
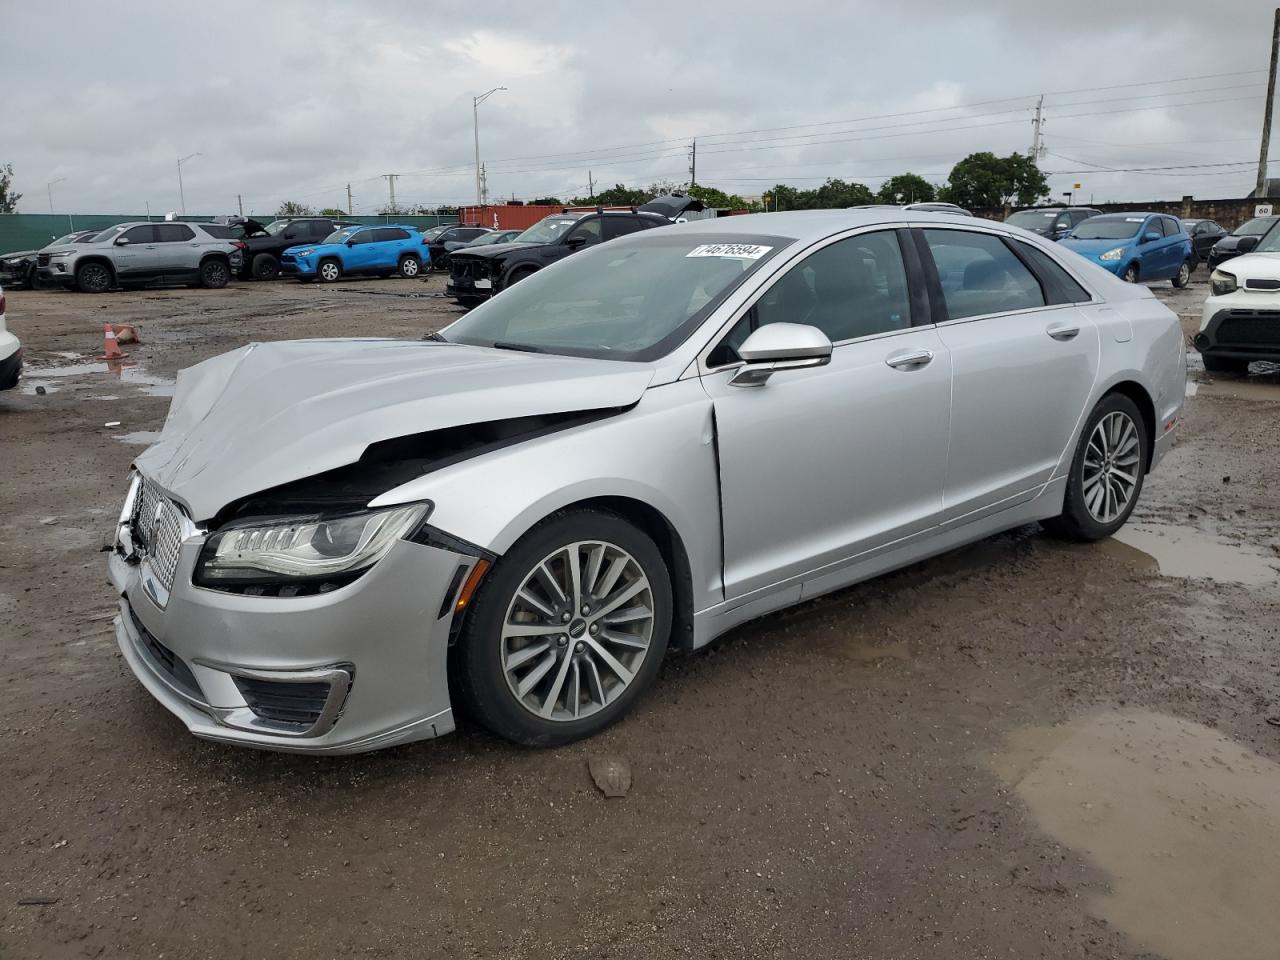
x=362, y=253
x=822, y=464
x=1024, y=359
x=138, y=259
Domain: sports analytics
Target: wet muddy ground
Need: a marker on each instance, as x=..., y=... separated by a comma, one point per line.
x=1021, y=749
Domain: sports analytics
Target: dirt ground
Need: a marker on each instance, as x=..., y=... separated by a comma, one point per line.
x=1021, y=749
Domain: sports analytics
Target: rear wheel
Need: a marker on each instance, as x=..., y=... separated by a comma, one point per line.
x=265, y=267
x=93, y=278
x=1131, y=273
x=410, y=267
x=214, y=274
x=1225, y=364
x=568, y=630
x=329, y=271
x=1106, y=472
x=1184, y=274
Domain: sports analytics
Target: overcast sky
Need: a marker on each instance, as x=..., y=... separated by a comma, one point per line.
x=290, y=100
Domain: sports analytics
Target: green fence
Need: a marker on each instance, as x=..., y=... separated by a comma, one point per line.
x=31, y=231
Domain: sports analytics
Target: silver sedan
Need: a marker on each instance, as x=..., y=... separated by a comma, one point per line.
x=334, y=542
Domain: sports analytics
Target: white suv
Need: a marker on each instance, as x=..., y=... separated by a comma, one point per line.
x=10, y=353
x=1240, y=322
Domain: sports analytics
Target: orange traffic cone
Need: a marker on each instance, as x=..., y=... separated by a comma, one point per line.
x=111, y=346
x=126, y=333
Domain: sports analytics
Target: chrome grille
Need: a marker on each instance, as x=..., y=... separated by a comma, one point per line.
x=158, y=526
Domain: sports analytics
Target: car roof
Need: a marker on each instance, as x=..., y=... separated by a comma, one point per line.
x=1133, y=213
x=817, y=224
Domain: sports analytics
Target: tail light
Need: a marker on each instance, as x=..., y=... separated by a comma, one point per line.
x=426, y=242
x=239, y=245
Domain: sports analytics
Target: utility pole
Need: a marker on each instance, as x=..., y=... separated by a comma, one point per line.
x=240, y=203
x=484, y=186
x=349, y=200
x=1036, y=145
x=1261, y=191
x=693, y=163
x=475, y=121
x=391, y=186
x=182, y=194
x=49, y=188
x=591, y=187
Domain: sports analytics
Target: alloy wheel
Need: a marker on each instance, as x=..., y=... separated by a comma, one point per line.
x=577, y=630
x=95, y=278
x=1111, y=467
x=1184, y=274
x=215, y=275
x=409, y=267
x=329, y=272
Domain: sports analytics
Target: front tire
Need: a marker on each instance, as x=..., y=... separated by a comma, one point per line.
x=1184, y=274
x=93, y=278
x=1131, y=273
x=329, y=271
x=214, y=274
x=567, y=632
x=409, y=267
x=1107, y=471
x=265, y=267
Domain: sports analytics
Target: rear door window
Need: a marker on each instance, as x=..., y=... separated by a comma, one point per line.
x=620, y=226
x=980, y=275
x=173, y=232
x=391, y=233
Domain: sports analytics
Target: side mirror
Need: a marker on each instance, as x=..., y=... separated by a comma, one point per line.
x=575, y=243
x=1150, y=236
x=780, y=346
x=1247, y=243
x=289, y=235
x=122, y=241
x=351, y=243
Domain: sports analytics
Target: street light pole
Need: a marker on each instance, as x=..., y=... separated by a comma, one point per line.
x=49, y=189
x=182, y=194
x=475, y=120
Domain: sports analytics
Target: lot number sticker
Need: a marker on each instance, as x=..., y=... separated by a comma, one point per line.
x=738, y=251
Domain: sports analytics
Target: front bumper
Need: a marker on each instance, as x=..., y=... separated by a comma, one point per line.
x=464, y=288
x=11, y=364
x=1242, y=325
x=297, y=268
x=368, y=660
x=57, y=271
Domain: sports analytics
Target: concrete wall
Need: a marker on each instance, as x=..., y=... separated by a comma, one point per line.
x=1229, y=213
x=31, y=231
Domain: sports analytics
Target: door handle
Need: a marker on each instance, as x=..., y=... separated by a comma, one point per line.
x=1062, y=331
x=910, y=361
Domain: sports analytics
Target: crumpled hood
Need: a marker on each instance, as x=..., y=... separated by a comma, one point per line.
x=1092, y=248
x=271, y=413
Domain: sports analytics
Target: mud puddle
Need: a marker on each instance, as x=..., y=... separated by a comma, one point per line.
x=1185, y=822
x=1176, y=551
x=150, y=384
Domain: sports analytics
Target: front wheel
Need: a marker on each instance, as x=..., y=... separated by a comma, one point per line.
x=1183, y=276
x=1106, y=472
x=93, y=278
x=329, y=271
x=214, y=274
x=265, y=267
x=1131, y=273
x=567, y=632
x=410, y=267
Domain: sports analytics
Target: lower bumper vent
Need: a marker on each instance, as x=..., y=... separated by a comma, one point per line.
x=297, y=704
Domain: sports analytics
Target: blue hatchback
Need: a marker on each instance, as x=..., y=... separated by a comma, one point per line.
x=380, y=251
x=1136, y=246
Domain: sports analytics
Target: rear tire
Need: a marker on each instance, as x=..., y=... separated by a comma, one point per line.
x=410, y=267
x=579, y=672
x=329, y=271
x=265, y=267
x=1225, y=364
x=94, y=278
x=1184, y=274
x=1131, y=273
x=1107, y=472
x=214, y=274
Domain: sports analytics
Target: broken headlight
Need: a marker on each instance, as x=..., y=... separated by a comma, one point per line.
x=304, y=548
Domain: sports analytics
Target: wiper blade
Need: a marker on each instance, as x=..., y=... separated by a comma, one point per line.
x=522, y=347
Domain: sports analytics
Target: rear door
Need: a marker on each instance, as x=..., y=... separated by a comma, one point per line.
x=177, y=252
x=1023, y=358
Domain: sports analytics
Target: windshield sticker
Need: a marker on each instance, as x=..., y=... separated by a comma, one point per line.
x=738, y=251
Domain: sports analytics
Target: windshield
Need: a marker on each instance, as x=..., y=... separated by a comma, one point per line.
x=634, y=300
x=1269, y=244
x=106, y=234
x=1033, y=219
x=1106, y=228
x=277, y=227
x=1256, y=227
x=434, y=232
x=548, y=229
x=68, y=238
x=340, y=236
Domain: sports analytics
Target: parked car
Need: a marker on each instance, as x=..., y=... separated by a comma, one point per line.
x=1240, y=320
x=18, y=269
x=10, y=351
x=371, y=250
x=135, y=254
x=1136, y=246
x=1242, y=239
x=496, y=236
x=642, y=446
x=1204, y=234
x=264, y=245
x=478, y=274
x=451, y=238
x=1052, y=222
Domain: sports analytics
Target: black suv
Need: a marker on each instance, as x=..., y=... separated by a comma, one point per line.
x=442, y=241
x=263, y=245
x=477, y=273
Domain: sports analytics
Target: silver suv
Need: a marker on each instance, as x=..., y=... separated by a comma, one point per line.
x=130, y=254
